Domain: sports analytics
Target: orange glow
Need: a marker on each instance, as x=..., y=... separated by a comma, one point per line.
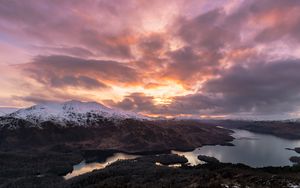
x=270, y=18
x=156, y=52
x=162, y=93
x=124, y=40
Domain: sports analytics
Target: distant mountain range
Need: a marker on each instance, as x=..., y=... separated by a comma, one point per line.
x=77, y=113
x=90, y=125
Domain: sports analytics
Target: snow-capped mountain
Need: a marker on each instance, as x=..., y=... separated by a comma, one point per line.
x=73, y=113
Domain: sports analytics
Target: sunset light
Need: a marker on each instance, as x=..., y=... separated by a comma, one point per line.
x=197, y=57
x=149, y=93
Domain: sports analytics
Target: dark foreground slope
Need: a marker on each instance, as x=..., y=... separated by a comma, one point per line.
x=128, y=136
x=37, y=155
x=32, y=156
x=143, y=172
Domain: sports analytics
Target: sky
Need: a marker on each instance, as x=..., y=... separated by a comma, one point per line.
x=195, y=58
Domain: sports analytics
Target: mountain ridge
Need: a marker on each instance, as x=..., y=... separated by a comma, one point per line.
x=7, y=110
x=72, y=112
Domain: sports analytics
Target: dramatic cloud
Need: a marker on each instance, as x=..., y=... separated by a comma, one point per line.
x=258, y=88
x=203, y=58
x=136, y=102
x=189, y=66
x=58, y=71
x=83, y=81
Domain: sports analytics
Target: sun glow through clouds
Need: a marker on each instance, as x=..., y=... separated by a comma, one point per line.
x=198, y=58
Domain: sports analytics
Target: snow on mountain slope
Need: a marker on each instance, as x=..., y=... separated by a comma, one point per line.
x=72, y=112
x=7, y=110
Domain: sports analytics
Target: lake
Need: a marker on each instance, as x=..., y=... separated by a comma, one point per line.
x=253, y=149
x=84, y=167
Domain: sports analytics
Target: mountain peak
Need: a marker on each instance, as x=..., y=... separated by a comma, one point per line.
x=74, y=112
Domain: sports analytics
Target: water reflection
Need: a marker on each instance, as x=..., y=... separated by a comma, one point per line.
x=256, y=150
x=84, y=167
x=176, y=165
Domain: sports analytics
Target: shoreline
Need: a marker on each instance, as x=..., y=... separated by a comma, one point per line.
x=211, y=173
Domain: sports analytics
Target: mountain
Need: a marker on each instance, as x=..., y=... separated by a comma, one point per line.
x=73, y=113
x=90, y=125
x=7, y=110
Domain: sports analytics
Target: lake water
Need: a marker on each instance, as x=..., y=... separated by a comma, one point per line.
x=253, y=149
x=84, y=167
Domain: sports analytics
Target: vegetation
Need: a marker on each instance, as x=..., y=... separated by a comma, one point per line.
x=44, y=170
x=35, y=167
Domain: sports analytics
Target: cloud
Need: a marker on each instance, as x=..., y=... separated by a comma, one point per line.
x=64, y=50
x=107, y=45
x=83, y=81
x=152, y=44
x=76, y=27
x=135, y=102
x=268, y=20
x=205, y=39
x=207, y=31
x=34, y=99
x=187, y=65
x=60, y=71
x=231, y=57
x=259, y=88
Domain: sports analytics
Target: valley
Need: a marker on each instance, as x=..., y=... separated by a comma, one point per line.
x=42, y=145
